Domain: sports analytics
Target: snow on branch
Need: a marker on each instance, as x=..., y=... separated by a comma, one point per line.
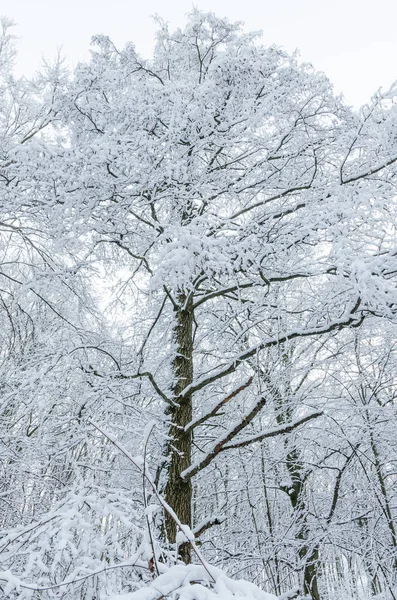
x=223, y=444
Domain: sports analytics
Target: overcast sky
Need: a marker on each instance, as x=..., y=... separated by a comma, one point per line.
x=354, y=42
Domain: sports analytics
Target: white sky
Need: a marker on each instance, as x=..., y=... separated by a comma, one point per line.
x=354, y=42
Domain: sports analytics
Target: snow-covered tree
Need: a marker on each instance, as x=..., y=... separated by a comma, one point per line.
x=223, y=211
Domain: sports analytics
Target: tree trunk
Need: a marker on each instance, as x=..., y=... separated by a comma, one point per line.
x=296, y=494
x=178, y=493
x=309, y=555
x=310, y=573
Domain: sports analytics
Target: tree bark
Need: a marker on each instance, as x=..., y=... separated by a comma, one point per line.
x=178, y=493
x=296, y=493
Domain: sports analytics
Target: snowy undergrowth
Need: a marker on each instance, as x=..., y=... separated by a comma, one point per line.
x=196, y=582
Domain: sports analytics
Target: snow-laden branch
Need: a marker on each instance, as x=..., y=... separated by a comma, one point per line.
x=350, y=319
x=200, y=420
x=223, y=444
x=139, y=463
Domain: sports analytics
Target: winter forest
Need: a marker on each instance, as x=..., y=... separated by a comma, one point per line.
x=198, y=359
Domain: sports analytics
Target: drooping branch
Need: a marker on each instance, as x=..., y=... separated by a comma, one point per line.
x=154, y=385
